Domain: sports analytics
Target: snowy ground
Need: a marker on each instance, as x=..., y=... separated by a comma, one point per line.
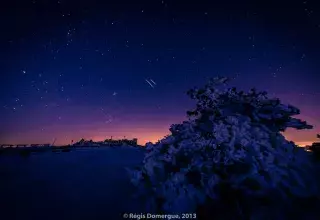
x=81, y=184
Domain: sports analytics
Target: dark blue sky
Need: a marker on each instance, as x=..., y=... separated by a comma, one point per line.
x=73, y=69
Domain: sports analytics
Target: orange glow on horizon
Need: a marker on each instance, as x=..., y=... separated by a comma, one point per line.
x=145, y=132
x=143, y=138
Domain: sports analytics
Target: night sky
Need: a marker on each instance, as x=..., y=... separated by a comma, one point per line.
x=95, y=69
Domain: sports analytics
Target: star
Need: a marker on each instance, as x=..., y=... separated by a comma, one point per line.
x=87, y=60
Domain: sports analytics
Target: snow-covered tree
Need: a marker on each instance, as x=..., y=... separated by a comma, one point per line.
x=229, y=157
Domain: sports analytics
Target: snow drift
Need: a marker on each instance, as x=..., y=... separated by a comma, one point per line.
x=85, y=183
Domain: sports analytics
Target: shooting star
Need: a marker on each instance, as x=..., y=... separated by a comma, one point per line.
x=149, y=83
x=153, y=82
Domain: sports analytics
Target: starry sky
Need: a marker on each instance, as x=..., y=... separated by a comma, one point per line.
x=94, y=69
